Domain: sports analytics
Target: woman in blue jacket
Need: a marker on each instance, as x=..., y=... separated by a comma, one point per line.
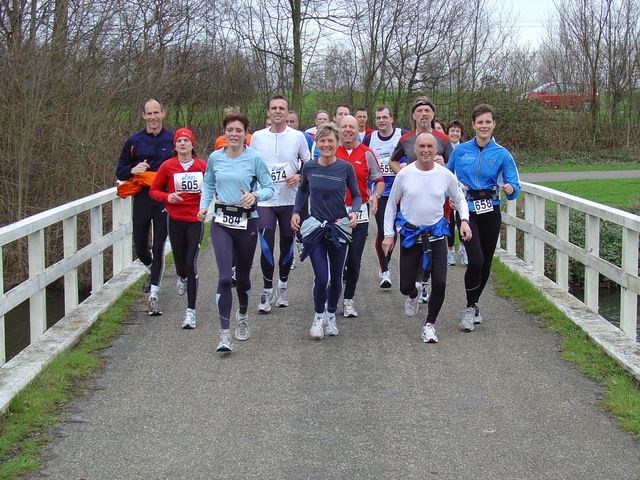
x=483, y=168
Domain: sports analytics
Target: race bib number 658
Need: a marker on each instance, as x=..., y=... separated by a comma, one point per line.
x=483, y=206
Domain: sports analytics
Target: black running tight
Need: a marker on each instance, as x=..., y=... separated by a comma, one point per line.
x=185, y=244
x=485, y=229
x=145, y=212
x=411, y=268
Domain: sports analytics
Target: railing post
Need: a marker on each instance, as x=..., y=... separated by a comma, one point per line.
x=562, y=259
x=97, y=262
x=591, y=276
x=529, y=215
x=38, y=301
x=3, y=351
x=121, y=250
x=511, y=231
x=538, y=245
x=70, y=246
x=628, y=299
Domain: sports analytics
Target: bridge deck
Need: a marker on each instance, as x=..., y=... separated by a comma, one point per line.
x=374, y=402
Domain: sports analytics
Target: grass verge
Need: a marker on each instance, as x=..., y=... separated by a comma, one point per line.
x=621, y=390
x=25, y=427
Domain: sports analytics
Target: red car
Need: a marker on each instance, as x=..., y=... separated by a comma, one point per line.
x=564, y=95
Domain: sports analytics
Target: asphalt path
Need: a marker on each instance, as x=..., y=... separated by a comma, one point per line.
x=373, y=402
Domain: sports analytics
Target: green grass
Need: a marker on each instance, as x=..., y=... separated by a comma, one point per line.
x=624, y=195
x=559, y=160
x=24, y=429
x=621, y=390
x=579, y=168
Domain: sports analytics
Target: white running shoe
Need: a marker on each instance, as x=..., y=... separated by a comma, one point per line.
x=181, y=285
x=153, y=308
x=266, y=299
x=317, y=326
x=281, y=297
x=242, y=330
x=478, y=316
x=348, y=308
x=385, y=279
x=225, y=345
x=464, y=259
x=189, y=321
x=429, y=334
x=330, y=326
x=451, y=257
x=411, y=306
x=466, y=324
x=424, y=294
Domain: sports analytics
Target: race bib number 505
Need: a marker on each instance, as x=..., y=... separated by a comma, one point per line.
x=188, y=182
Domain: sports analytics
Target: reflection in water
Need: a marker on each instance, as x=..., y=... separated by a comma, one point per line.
x=609, y=306
x=16, y=321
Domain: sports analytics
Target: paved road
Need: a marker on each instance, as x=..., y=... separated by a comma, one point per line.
x=374, y=402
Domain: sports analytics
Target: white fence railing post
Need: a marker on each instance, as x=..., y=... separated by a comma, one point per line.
x=512, y=209
x=97, y=262
x=628, y=299
x=591, y=276
x=37, y=301
x=70, y=246
x=3, y=350
x=538, y=245
x=562, y=259
x=529, y=217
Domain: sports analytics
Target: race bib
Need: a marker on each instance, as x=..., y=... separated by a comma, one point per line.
x=188, y=182
x=229, y=221
x=483, y=206
x=278, y=172
x=386, y=169
x=363, y=213
x=231, y=217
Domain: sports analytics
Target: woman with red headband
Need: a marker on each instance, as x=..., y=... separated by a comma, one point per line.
x=178, y=184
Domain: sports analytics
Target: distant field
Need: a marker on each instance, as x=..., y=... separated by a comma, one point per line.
x=621, y=193
x=577, y=168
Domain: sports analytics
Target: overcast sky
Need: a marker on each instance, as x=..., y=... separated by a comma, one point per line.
x=532, y=18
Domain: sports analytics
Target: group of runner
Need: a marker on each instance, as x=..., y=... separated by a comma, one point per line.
x=322, y=185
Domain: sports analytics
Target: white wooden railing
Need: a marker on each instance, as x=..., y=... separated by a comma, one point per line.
x=532, y=200
x=532, y=203
x=42, y=275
